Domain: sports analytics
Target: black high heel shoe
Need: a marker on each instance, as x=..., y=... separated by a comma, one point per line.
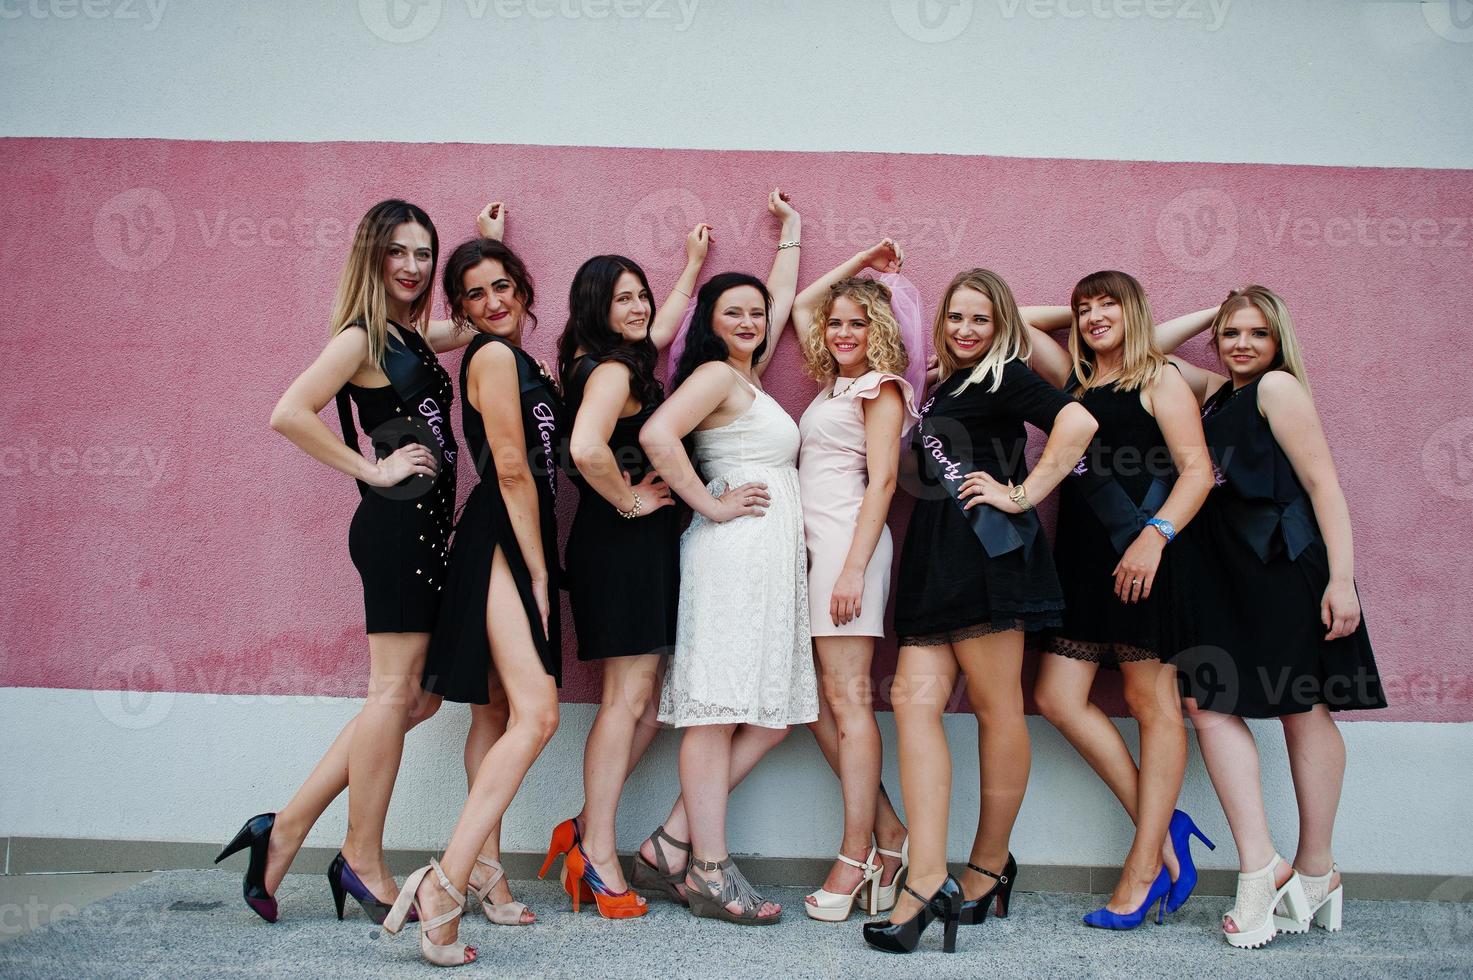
x=344, y=881
x=904, y=937
x=256, y=834
x=974, y=912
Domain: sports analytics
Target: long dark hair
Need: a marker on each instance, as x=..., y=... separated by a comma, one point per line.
x=589, y=299
x=701, y=342
x=470, y=254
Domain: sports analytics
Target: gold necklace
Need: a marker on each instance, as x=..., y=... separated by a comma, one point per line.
x=834, y=392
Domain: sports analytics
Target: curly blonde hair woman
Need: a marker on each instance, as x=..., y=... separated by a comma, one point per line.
x=885, y=352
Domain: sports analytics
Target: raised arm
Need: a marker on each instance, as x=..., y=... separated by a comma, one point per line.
x=782, y=280
x=604, y=397
x=672, y=311
x=1173, y=333
x=884, y=417
x=1174, y=407
x=296, y=417
x=699, y=397
x=492, y=389
x=1050, y=360
x=886, y=256
x=441, y=335
x=1296, y=425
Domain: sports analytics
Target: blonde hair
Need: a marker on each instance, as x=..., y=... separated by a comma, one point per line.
x=885, y=351
x=361, y=297
x=1143, y=360
x=1280, y=326
x=1009, y=333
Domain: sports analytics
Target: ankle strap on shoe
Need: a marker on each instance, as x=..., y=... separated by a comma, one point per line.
x=1002, y=878
x=450, y=890
x=865, y=866
x=679, y=845
x=498, y=872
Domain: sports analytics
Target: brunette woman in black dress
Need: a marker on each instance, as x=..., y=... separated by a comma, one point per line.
x=1144, y=477
x=975, y=576
x=1275, y=610
x=381, y=358
x=498, y=613
x=623, y=550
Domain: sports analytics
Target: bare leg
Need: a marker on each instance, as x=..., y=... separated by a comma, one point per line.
x=532, y=698
x=1317, y=762
x=628, y=689
x=844, y=686
x=1231, y=756
x=488, y=723
x=748, y=746
x=706, y=755
x=373, y=755
x=1062, y=693
x=924, y=680
x=993, y=665
x=326, y=782
x=1151, y=695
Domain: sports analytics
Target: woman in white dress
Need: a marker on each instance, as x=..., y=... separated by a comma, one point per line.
x=743, y=670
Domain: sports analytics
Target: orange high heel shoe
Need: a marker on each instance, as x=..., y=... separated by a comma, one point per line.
x=565, y=837
x=611, y=905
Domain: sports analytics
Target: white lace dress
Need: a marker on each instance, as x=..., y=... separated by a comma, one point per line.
x=742, y=647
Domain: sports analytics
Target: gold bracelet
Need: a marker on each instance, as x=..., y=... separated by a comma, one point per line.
x=783, y=245
x=1020, y=497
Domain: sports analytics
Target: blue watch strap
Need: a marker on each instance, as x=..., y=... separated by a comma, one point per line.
x=1167, y=529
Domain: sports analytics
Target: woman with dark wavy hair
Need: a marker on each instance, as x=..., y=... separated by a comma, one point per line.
x=623, y=552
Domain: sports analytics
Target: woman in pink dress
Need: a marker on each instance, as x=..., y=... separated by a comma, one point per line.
x=847, y=467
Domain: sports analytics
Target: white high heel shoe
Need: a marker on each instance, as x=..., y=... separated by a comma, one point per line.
x=830, y=906
x=889, y=893
x=1325, y=906
x=1257, y=898
x=446, y=954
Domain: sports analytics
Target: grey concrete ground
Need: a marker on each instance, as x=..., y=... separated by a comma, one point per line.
x=193, y=923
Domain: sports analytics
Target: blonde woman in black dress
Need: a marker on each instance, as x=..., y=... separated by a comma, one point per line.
x=1276, y=613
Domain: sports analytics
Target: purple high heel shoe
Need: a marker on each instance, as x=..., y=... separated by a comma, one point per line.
x=344, y=882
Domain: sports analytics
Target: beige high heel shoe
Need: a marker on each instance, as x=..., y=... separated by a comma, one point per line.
x=1253, y=908
x=1326, y=906
x=889, y=893
x=505, y=914
x=830, y=906
x=447, y=954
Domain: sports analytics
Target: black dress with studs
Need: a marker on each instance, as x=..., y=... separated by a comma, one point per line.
x=1259, y=577
x=399, y=537
x=459, y=656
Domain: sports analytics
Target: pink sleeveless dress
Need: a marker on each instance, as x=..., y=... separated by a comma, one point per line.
x=832, y=476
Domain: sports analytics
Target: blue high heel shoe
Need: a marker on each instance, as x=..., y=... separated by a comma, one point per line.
x=1103, y=918
x=1182, y=831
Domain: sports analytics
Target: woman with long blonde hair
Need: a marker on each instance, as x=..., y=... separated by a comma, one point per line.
x=1142, y=480
x=848, y=462
x=1277, y=618
x=975, y=576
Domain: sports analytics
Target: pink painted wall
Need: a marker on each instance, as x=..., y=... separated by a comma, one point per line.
x=160, y=295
